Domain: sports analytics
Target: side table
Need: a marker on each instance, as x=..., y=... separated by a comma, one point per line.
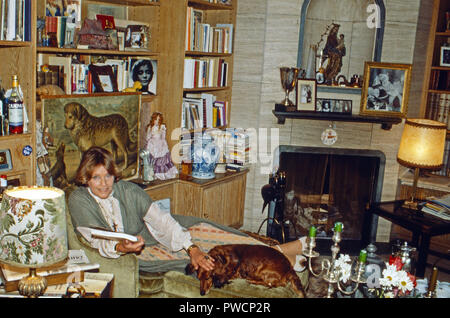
x=422, y=225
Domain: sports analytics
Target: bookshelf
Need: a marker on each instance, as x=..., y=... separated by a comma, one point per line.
x=17, y=59
x=167, y=24
x=436, y=88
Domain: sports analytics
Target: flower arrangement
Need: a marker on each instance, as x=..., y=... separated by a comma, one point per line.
x=395, y=282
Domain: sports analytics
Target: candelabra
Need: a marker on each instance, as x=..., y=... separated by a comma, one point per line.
x=330, y=272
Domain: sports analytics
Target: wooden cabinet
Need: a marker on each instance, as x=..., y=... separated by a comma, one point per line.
x=220, y=199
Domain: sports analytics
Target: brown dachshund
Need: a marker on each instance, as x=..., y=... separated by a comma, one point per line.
x=258, y=264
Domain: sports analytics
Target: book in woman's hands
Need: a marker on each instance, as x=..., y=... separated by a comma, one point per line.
x=89, y=232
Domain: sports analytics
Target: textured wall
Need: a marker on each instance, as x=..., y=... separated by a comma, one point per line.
x=267, y=38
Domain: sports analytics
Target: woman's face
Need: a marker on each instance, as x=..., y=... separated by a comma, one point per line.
x=144, y=75
x=101, y=183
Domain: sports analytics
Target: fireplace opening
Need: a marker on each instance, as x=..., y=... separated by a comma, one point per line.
x=323, y=186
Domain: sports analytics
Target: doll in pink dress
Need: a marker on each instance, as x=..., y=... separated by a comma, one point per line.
x=156, y=144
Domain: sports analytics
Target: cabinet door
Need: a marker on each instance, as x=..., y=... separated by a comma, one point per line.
x=224, y=202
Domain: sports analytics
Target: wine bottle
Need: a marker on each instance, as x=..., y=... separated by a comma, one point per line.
x=15, y=109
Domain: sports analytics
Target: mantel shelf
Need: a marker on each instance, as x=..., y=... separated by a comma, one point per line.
x=386, y=122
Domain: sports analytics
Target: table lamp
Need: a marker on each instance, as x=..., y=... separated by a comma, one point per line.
x=33, y=232
x=421, y=147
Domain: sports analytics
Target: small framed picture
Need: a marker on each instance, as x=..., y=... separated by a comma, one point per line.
x=343, y=106
x=112, y=34
x=385, y=89
x=306, y=91
x=107, y=21
x=445, y=56
x=137, y=37
x=103, y=78
x=143, y=70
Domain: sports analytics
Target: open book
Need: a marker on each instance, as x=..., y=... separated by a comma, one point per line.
x=89, y=232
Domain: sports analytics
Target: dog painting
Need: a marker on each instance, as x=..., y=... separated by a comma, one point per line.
x=110, y=121
x=257, y=264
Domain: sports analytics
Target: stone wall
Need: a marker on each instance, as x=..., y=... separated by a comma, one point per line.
x=267, y=38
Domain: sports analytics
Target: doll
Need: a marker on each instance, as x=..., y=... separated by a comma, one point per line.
x=156, y=144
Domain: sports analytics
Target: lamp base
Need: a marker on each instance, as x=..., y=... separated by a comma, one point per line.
x=411, y=205
x=33, y=285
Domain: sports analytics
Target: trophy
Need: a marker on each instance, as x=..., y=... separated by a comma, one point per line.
x=288, y=77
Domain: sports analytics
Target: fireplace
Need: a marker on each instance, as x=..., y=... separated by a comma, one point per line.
x=327, y=185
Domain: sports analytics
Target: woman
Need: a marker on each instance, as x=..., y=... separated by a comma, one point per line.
x=159, y=157
x=103, y=200
x=143, y=72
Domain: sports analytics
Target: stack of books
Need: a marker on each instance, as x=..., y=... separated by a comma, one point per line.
x=237, y=150
x=203, y=110
x=439, y=207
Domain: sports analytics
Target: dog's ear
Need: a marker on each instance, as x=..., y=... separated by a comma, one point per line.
x=189, y=269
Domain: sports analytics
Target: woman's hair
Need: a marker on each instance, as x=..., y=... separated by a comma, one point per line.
x=136, y=67
x=92, y=158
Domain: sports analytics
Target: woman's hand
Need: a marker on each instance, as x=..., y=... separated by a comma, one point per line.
x=200, y=258
x=126, y=246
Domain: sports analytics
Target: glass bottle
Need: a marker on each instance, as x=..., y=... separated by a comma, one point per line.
x=15, y=109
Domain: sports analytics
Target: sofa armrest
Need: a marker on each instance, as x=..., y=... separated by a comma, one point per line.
x=125, y=268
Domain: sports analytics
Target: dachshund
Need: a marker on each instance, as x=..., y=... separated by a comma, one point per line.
x=257, y=264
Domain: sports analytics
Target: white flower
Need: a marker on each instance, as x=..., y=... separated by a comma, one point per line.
x=390, y=276
x=404, y=282
x=343, y=266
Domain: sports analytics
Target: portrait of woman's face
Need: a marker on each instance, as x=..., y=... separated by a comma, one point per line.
x=144, y=71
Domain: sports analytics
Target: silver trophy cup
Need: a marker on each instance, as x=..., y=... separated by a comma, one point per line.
x=288, y=77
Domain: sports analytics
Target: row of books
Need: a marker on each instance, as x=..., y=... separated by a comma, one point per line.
x=205, y=72
x=439, y=108
x=445, y=170
x=440, y=80
x=203, y=111
x=15, y=20
x=204, y=37
x=59, y=30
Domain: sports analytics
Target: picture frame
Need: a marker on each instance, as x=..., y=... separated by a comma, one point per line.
x=306, y=94
x=137, y=38
x=445, y=56
x=107, y=21
x=103, y=78
x=144, y=70
x=385, y=89
x=64, y=148
x=113, y=35
x=331, y=105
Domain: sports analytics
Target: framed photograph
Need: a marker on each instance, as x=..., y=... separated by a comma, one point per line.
x=137, y=38
x=107, y=21
x=72, y=121
x=103, y=78
x=54, y=8
x=445, y=56
x=306, y=92
x=143, y=70
x=343, y=106
x=385, y=90
x=112, y=34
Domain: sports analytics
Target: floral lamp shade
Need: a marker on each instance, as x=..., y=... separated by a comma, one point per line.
x=33, y=227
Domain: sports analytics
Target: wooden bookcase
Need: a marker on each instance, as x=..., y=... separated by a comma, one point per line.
x=436, y=77
x=167, y=20
x=435, y=103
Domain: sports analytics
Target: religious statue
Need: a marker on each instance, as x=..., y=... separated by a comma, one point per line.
x=332, y=53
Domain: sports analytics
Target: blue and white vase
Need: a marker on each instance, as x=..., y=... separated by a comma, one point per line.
x=205, y=154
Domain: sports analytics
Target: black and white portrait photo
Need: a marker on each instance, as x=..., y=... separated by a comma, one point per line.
x=386, y=88
x=445, y=56
x=144, y=71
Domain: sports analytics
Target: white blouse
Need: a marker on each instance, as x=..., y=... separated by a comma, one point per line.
x=164, y=228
